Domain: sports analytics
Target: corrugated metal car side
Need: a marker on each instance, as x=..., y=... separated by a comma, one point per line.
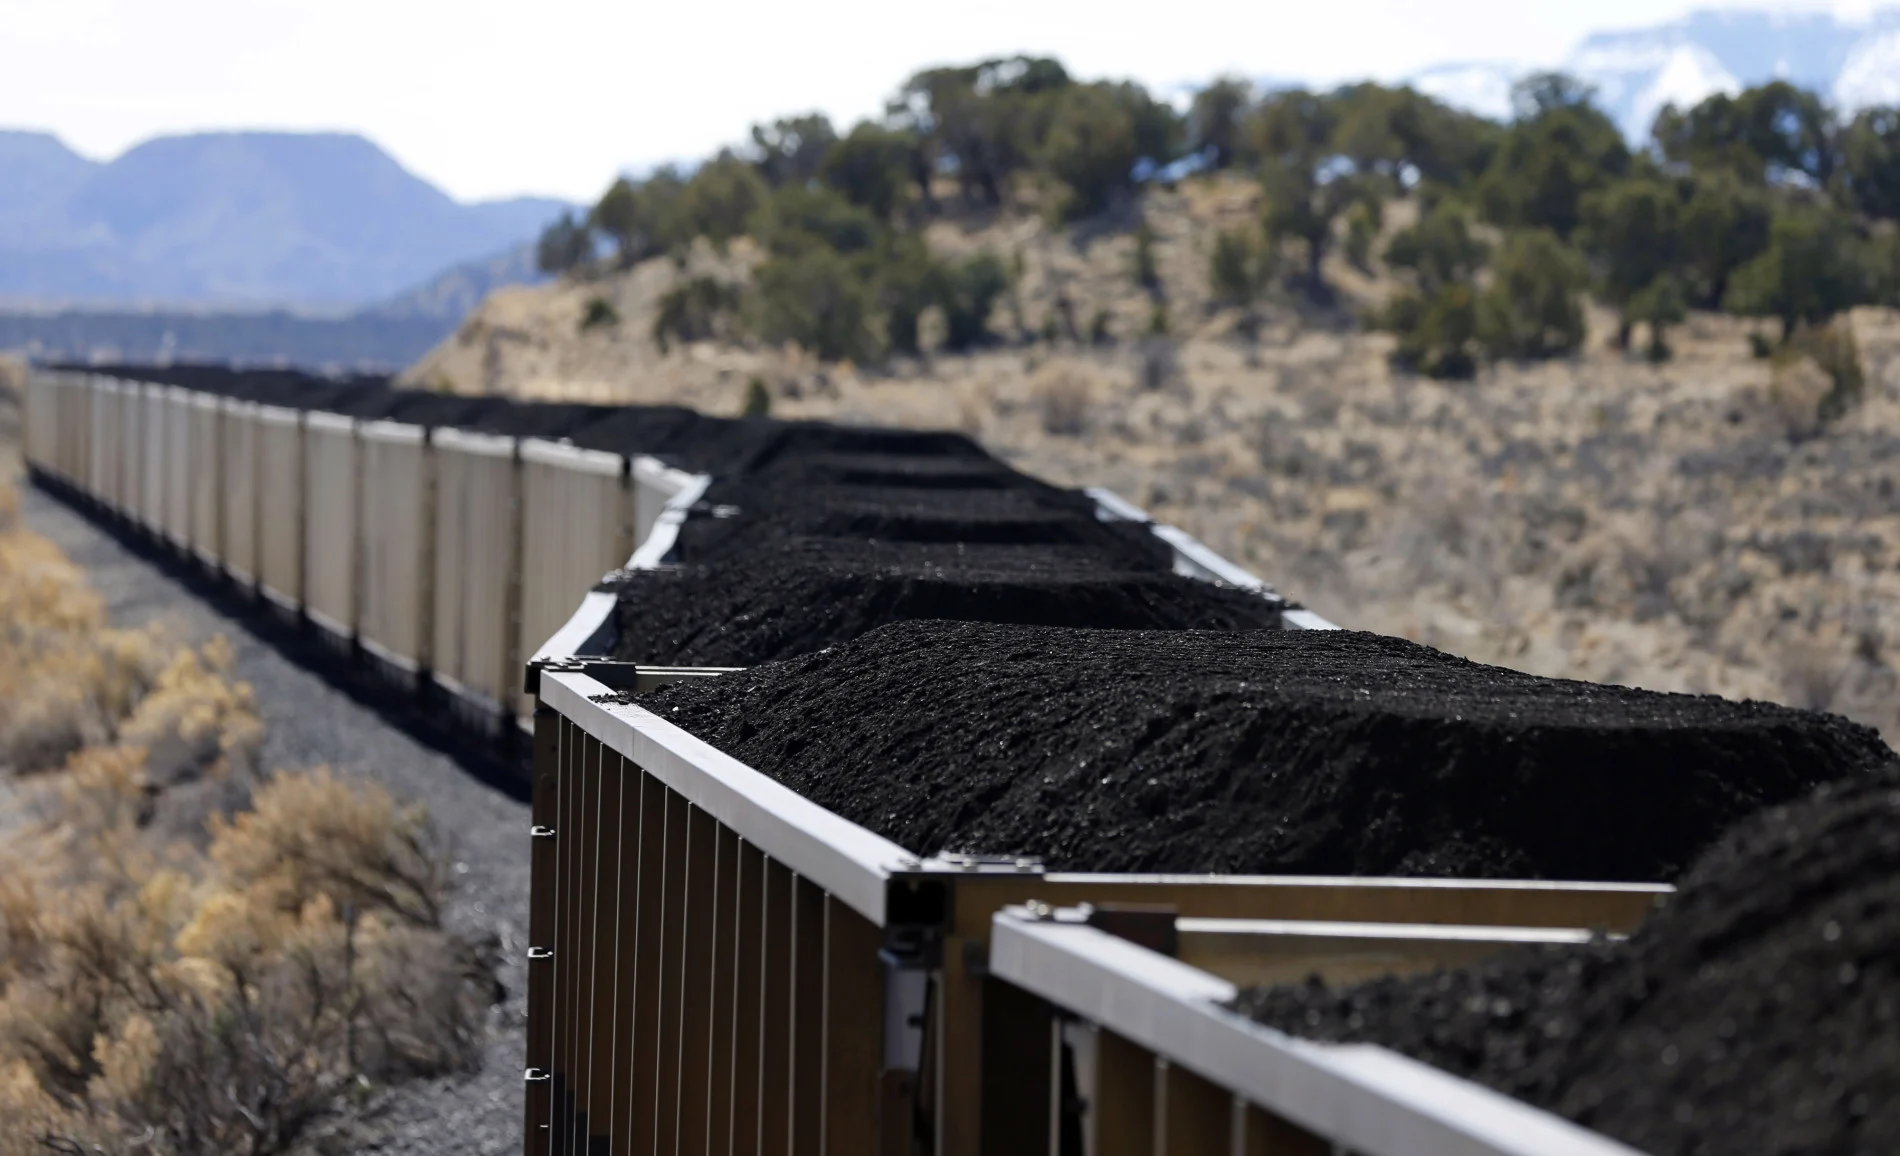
x=75, y=424
x=238, y=434
x=705, y=969
x=177, y=520
x=206, y=469
x=392, y=618
x=280, y=505
x=153, y=429
x=576, y=525
x=477, y=581
x=131, y=401
x=38, y=422
x=332, y=502
x=106, y=456
x=56, y=422
x=719, y=964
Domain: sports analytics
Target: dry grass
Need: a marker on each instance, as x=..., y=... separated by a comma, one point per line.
x=192, y=961
x=1698, y=525
x=67, y=680
x=1062, y=396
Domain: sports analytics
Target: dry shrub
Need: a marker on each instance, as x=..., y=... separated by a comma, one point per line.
x=1063, y=395
x=1160, y=363
x=200, y=734
x=315, y=835
x=227, y=1001
x=1812, y=675
x=180, y=974
x=65, y=679
x=1797, y=392
x=1818, y=377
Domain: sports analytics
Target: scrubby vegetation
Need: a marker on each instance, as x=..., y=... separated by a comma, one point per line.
x=1766, y=204
x=195, y=957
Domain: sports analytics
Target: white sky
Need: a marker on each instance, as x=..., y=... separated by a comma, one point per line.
x=498, y=97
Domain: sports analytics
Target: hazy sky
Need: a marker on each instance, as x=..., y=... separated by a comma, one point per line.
x=497, y=97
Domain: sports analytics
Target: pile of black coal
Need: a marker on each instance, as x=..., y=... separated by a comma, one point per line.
x=1757, y=1011
x=1258, y=751
x=795, y=595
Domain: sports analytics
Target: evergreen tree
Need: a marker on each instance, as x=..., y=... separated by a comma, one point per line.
x=1560, y=149
x=871, y=168
x=1633, y=231
x=1533, y=307
x=1216, y=121
x=564, y=246
x=1810, y=271
x=793, y=151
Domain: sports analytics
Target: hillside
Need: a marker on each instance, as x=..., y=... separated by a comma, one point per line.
x=236, y=219
x=449, y=295
x=1688, y=526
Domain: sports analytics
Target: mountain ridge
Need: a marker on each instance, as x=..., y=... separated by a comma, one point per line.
x=237, y=220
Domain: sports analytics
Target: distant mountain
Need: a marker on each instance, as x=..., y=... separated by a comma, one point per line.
x=41, y=176
x=451, y=294
x=1853, y=63
x=236, y=220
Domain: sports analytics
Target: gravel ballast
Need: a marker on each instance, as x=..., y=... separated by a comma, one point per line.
x=1757, y=1011
x=1258, y=751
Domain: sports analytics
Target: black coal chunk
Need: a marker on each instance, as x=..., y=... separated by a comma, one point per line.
x=1757, y=1011
x=1258, y=751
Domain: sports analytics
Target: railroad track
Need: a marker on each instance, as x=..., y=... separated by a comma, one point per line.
x=721, y=964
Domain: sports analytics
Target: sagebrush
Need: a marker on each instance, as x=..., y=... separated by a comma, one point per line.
x=194, y=958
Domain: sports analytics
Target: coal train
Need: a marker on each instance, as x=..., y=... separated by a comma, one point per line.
x=719, y=963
